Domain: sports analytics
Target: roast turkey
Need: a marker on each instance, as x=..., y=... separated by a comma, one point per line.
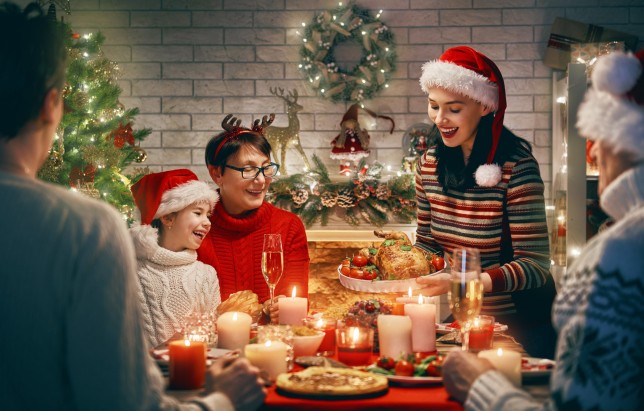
x=397, y=259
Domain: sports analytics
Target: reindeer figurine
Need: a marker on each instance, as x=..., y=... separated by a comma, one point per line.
x=280, y=137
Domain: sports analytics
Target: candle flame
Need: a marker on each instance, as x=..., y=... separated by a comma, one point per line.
x=320, y=323
x=268, y=343
x=293, y=294
x=235, y=316
x=409, y=292
x=476, y=323
x=186, y=343
x=355, y=335
x=499, y=352
x=420, y=299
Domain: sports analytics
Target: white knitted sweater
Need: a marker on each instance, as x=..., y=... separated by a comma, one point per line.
x=171, y=285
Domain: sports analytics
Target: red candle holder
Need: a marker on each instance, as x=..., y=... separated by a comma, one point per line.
x=355, y=344
x=482, y=333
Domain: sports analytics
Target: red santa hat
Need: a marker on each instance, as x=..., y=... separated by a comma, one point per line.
x=160, y=194
x=467, y=72
x=612, y=109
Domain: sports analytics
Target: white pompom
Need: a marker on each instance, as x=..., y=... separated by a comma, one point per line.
x=616, y=73
x=488, y=175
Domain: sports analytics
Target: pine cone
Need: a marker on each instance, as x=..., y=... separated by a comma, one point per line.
x=383, y=192
x=329, y=198
x=299, y=196
x=361, y=191
x=346, y=198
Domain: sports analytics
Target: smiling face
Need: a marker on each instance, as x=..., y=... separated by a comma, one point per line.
x=185, y=229
x=237, y=195
x=457, y=117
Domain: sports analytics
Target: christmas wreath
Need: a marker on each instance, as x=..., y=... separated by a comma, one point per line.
x=318, y=62
x=313, y=196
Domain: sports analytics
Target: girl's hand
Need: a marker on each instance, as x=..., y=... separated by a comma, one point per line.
x=434, y=284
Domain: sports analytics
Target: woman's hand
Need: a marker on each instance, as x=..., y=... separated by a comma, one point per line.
x=237, y=379
x=273, y=312
x=434, y=284
x=460, y=370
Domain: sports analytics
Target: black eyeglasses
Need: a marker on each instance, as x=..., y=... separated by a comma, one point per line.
x=251, y=173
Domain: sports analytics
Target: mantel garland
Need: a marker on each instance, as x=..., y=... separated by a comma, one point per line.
x=318, y=63
x=313, y=196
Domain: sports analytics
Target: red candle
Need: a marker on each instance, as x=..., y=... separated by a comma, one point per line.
x=354, y=356
x=482, y=333
x=187, y=364
x=355, y=345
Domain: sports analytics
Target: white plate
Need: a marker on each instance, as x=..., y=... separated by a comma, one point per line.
x=413, y=381
x=532, y=370
x=444, y=328
x=380, y=286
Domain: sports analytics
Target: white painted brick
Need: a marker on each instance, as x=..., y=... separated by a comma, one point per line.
x=162, y=87
x=317, y=139
x=419, y=52
x=605, y=15
x=255, y=4
x=160, y=19
x=161, y=53
x=237, y=71
x=524, y=86
x=251, y=105
x=403, y=88
x=223, y=19
x=193, y=36
x=224, y=88
x=255, y=37
x=224, y=54
x=318, y=105
x=541, y=70
x=518, y=104
x=191, y=105
x=169, y=157
x=527, y=120
x=531, y=16
x=95, y=19
x=153, y=140
x=440, y=35
x=130, y=5
x=418, y=104
x=390, y=156
x=411, y=18
x=307, y=121
x=281, y=18
x=382, y=139
x=187, y=139
x=140, y=70
x=192, y=4
x=78, y=5
x=526, y=134
x=441, y=4
x=401, y=35
x=568, y=3
x=543, y=155
x=328, y=122
x=144, y=104
x=519, y=34
x=515, y=69
x=192, y=71
x=126, y=87
x=162, y=122
x=470, y=17
x=132, y=36
x=543, y=103
x=263, y=87
x=496, y=52
x=212, y=122
x=543, y=138
x=284, y=54
x=542, y=34
x=502, y=3
x=525, y=51
x=118, y=54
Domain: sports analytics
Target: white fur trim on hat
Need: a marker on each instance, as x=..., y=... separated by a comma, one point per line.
x=606, y=114
x=460, y=80
x=488, y=175
x=184, y=195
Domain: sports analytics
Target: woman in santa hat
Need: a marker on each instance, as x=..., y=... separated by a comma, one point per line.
x=599, y=308
x=480, y=187
x=239, y=162
x=174, y=208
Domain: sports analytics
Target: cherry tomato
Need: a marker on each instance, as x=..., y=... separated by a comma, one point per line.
x=370, y=275
x=438, y=262
x=404, y=368
x=454, y=324
x=360, y=260
x=346, y=262
x=387, y=363
x=433, y=369
x=356, y=273
x=345, y=270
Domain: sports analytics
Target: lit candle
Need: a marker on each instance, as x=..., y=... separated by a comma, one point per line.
x=292, y=310
x=394, y=333
x=423, y=325
x=482, y=333
x=507, y=362
x=355, y=345
x=233, y=330
x=269, y=357
x=187, y=364
x=408, y=299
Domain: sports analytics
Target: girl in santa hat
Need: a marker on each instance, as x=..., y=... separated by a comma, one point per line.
x=480, y=187
x=174, y=208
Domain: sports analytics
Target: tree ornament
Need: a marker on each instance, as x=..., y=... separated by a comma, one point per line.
x=346, y=198
x=299, y=196
x=347, y=23
x=383, y=192
x=329, y=198
x=139, y=154
x=89, y=190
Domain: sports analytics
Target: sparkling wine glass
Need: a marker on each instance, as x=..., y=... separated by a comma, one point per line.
x=272, y=262
x=466, y=290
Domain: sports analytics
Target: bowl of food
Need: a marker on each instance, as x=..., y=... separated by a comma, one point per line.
x=306, y=341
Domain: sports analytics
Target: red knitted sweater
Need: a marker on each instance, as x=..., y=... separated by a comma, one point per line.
x=234, y=248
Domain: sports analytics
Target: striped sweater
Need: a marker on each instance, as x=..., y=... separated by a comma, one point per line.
x=234, y=247
x=517, y=260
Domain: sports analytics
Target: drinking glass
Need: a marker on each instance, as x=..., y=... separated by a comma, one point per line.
x=272, y=261
x=466, y=290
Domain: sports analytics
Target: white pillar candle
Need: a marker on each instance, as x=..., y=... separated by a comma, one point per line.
x=233, y=330
x=436, y=300
x=394, y=335
x=507, y=362
x=423, y=325
x=269, y=357
x=408, y=299
x=292, y=310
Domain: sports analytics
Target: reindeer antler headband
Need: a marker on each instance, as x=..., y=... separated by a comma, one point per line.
x=233, y=128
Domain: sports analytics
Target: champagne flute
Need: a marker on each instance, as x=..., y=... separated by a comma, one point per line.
x=466, y=290
x=272, y=262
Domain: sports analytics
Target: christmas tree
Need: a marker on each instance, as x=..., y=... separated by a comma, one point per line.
x=95, y=142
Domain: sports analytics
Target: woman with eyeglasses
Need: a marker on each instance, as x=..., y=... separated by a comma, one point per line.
x=239, y=162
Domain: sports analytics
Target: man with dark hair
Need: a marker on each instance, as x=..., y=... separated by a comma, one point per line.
x=72, y=330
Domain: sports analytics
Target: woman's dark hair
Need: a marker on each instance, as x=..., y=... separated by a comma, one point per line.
x=32, y=62
x=232, y=147
x=451, y=169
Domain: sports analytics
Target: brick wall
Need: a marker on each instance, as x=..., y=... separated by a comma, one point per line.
x=186, y=64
